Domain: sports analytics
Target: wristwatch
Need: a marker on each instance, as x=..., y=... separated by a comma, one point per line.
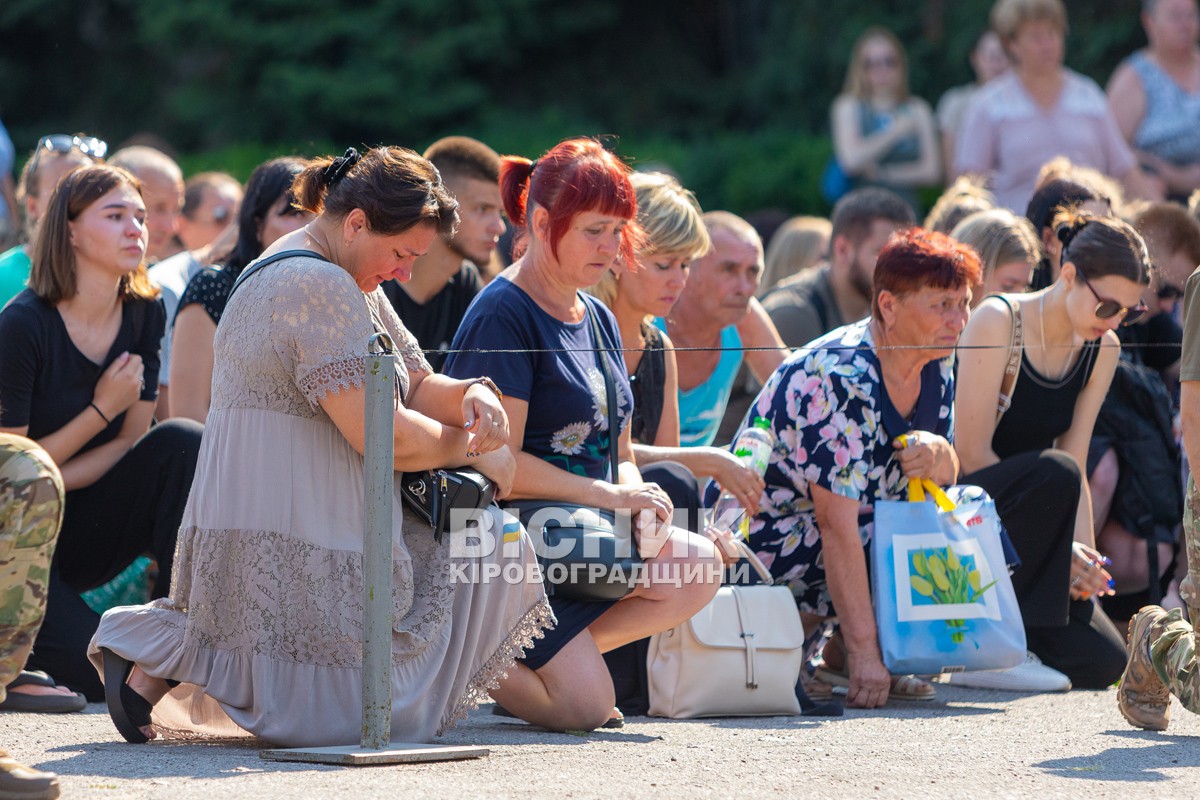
x=489, y=383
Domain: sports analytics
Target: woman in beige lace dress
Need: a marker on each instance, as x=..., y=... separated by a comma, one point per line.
x=263, y=626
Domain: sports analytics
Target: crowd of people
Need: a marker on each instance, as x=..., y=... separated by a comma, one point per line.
x=182, y=383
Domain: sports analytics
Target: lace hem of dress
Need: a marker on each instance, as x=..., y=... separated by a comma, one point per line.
x=336, y=376
x=529, y=627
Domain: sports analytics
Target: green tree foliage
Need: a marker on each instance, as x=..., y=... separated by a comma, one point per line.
x=734, y=94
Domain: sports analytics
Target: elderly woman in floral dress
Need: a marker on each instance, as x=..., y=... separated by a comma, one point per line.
x=837, y=406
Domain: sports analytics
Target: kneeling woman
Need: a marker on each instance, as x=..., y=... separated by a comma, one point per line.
x=79, y=374
x=552, y=350
x=1030, y=458
x=836, y=407
x=265, y=615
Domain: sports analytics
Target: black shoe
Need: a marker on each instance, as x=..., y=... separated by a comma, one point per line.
x=128, y=709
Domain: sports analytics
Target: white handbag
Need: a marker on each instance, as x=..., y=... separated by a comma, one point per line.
x=740, y=656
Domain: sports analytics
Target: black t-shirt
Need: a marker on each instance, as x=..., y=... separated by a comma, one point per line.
x=45, y=381
x=435, y=323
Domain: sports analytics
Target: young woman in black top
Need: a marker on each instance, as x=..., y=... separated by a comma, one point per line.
x=266, y=214
x=79, y=374
x=1031, y=459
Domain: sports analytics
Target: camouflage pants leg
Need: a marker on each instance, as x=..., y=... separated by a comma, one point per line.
x=1189, y=587
x=31, y=508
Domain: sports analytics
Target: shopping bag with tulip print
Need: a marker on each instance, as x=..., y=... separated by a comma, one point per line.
x=944, y=601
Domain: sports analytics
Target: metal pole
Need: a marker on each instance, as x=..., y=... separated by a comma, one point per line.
x=379, y=480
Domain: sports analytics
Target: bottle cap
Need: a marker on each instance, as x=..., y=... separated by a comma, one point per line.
x=763, y=423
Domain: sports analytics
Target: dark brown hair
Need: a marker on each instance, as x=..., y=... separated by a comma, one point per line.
x=916, y=258
x=1101, y=246
x=395, y=188
x=52, y=274
x=463, y=157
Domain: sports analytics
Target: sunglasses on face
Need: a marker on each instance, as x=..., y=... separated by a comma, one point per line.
x=1107, y=308
x=62, y=143
x=887, y=62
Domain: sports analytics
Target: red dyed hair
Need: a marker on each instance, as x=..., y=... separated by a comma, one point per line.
x=577, y=175
x=916, y=258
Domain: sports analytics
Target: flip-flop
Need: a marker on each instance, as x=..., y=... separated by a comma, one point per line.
x=904, y=687
x=40, y=703
x=128, y=709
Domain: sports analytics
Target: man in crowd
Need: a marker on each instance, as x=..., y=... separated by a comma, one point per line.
x=716, y=313
x=838, y=292
x=162, y=192
x=446, y=279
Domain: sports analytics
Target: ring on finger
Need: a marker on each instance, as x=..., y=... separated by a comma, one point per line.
x=1075, y=581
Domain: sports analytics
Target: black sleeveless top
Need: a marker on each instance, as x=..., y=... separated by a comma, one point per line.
x=1042, y=409
x=648, y=383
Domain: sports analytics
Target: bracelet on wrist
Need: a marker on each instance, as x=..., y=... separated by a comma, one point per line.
x=103, y=416
x=489, y=384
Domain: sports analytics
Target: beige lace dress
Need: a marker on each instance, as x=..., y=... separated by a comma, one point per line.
x=263, y=625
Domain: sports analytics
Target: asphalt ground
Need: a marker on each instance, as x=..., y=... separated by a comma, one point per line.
x=964, y=744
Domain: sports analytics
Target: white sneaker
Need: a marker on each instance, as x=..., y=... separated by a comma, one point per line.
x=1032, y=676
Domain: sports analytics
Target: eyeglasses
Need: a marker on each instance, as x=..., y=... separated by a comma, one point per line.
x=62, y=143
x=1107, y=309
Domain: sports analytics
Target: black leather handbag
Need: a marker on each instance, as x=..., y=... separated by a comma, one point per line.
x=433, y=493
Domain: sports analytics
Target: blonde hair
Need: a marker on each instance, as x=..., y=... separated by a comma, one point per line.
x=671, y=222
x=999, y=237
x=856, y=74
x=966, y=196
x=1008, y=16
x=799, y=243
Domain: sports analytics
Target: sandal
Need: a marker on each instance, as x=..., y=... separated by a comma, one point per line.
x=128, y=709
x=904, y=687
x=40, y=703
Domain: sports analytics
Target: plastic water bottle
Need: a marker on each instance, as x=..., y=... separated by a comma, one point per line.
x=753, y=447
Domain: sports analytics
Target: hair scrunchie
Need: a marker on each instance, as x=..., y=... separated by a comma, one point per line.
x=340, y=166
x=1066, y=234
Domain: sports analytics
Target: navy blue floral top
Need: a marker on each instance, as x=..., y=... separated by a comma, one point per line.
x=834, y=426
x=550, y=364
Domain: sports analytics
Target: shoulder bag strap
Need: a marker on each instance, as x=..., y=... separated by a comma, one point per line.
x=257, y=265
x=1012, y=369
x=610, y=391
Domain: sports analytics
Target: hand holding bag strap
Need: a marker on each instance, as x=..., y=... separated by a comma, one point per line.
x=610, y=391
x=1013, y=368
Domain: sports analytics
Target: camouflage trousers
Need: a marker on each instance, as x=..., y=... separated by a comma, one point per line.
x=31, y=509
x=1173, y=640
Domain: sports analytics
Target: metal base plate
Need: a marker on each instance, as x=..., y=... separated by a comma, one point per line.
x=394, y=753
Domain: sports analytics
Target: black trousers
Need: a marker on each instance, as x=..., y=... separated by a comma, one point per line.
x=1037, y=494
x=134, y=509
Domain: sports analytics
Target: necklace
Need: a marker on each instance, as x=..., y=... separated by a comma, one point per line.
x=1046, y=352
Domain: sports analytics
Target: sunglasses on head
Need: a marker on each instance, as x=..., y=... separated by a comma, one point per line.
x=1107, y=308
x=64, y=143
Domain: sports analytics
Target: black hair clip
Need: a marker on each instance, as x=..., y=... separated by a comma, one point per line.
x=340, y=166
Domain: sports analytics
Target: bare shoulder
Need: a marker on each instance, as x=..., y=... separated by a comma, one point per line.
x=992, y=321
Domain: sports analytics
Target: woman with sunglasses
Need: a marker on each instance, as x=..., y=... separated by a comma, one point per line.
x=882, y=135
x=1027, y=442
x=54, y=156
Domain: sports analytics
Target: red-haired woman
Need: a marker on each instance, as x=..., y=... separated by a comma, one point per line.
x=836, y=407
x=575, y=207
x=79, y=374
